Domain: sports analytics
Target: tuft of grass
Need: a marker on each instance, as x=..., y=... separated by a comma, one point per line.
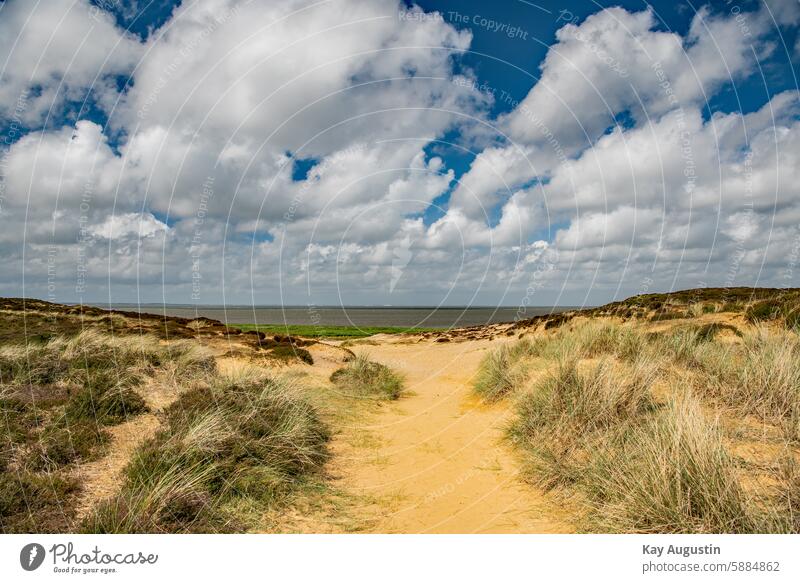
x=761, y=376
x=763, y=311
x=691, y=345
x=362, y=377
x=783, y=309
x=592, y=339
x=105, y=404
x=288, y=353
x=671, y=474
x=665, y=316
x=585, y=401
x=503, y=369
x=62, y=444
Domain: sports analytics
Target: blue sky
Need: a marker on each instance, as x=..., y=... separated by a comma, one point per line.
x=396, y=153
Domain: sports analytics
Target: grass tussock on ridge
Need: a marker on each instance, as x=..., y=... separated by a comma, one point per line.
x=506, y=368
x=362, y=377
x=503, y=369
x=253, y=439
x=760, y=376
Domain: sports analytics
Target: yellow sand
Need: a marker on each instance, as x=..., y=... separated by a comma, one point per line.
x=435, y=462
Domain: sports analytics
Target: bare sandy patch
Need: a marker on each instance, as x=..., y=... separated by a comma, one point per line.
x=436, y=461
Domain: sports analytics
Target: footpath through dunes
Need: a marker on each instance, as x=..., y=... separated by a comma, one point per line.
x=435, y=461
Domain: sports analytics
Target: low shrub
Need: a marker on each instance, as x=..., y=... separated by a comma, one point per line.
x=287, y=353
x=763, y=311
x=362, y=377
x=32, y=502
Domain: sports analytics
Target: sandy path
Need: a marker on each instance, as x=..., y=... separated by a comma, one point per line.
x=435, y=460
x=101, y=478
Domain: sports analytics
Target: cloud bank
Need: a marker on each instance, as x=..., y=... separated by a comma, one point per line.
x=291, y=152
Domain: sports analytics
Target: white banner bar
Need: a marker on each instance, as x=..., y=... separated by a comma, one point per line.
x=401, y=558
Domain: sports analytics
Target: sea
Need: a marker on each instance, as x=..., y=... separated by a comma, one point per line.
x=406, y=317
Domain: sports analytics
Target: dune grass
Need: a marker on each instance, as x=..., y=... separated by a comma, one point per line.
x=639, y=467
x=57, y=397
x=364, y=378
x=503, y=369
x=760, y=376
x=641, y=463
x=670, y=473
x=253, y=438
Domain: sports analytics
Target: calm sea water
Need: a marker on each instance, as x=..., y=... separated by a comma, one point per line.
x=349, y=316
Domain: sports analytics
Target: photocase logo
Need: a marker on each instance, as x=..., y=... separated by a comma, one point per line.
x=31, y=556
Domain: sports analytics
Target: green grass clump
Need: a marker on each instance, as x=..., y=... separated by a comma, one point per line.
x=665, y=316
x=689, y=345
x=763, y=311
x=504, y=369
x=588, y=400
x=288, y=353
x=258, y=440
x=783, y=309
x=362, y=377
x=593, y=339
x=559, y=416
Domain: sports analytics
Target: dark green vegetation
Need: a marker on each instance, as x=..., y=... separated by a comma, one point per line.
x=633, y=433
x=56, y=399
x=253, y=439
x=757, y=304
x=332, y=331
x=290, y=353
x=365, y=378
